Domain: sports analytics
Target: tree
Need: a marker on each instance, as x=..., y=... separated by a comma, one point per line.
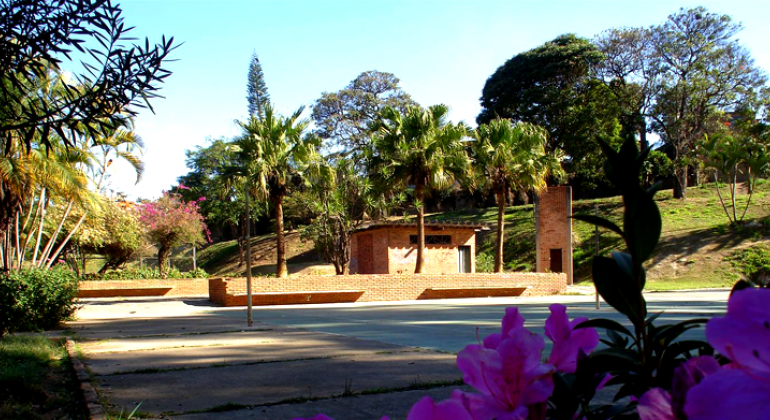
x=116, y=82
x=542, y=86
x=704, y=70
x=550, y=86
x=115, y=233
x=344, y=118
x=341, y=200
x=273, y=153
x=419, y=148
x=171, y=222
x=511, y=157
x=256, y=89
x=730, y=152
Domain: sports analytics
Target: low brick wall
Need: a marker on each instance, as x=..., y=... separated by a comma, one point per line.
x=147, y=287
x=384, y=287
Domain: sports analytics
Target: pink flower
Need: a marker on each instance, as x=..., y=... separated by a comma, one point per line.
x=450, y=409
x=183, y=187
x=325, y=417
x=509, y=377
x=743, y=386
x=568, y=344
x=658, y=404
x=511, y=320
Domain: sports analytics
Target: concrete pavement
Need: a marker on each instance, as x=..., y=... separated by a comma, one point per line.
x=186, y=359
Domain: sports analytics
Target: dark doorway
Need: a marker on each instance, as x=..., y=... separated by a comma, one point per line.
x=556, y=261
x=464, y=258
x=365, y=254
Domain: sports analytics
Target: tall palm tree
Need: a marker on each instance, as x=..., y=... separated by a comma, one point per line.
x=273, y=154
x=420, y=148
x=511, y=157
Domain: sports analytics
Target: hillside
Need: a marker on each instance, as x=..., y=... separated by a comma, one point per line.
x=695, y=240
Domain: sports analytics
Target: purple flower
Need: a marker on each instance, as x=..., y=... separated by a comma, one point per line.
x=743, y=386
x=658, y=404
x=568, y=343
x=450, y=409
x=509, y=377
x=325, y=417
x=511, y=320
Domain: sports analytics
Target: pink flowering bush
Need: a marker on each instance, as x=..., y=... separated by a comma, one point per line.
x=653, y=372
x=171, y=222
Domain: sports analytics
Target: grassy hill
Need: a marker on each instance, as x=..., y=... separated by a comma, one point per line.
x=695, y=242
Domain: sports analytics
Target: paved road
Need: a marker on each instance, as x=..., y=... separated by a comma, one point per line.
x=449, y=325
x=184, y=358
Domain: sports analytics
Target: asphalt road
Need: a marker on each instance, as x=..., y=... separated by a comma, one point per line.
x=449, y=325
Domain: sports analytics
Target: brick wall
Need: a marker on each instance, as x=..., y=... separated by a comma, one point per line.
x=178, y=287
x=392, y=253
x=553, y=223
x=388, y=287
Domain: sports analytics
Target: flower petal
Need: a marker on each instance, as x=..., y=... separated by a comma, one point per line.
x=426, y=409
x=686, y=376
x=729, y=393
x=743, y=335
x=568, y=343
x=655, y=404
x=474, y=361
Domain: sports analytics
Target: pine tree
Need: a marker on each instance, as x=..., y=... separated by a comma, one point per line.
x=256, y=89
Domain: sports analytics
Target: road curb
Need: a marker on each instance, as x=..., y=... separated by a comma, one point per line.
x=95, y=409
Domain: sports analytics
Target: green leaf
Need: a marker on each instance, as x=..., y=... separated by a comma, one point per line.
x=615, y=360
x=599, y=221
x=618, y=289
x=607, y=324
x=642, y=223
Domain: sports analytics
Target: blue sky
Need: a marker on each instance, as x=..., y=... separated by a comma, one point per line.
x=443, y=52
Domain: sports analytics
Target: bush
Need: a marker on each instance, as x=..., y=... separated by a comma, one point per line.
x=145, y=273
x=35, y=300
x=485, y=262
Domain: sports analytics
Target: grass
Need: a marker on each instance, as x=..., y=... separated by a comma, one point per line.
x=37, y=381
x=695, y=238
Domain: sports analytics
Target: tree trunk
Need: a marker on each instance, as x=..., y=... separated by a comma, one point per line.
x=419, y=196
x=249, y=319
x=163, y=252
x=281, y=270
x=500, y=194
x=680, y=183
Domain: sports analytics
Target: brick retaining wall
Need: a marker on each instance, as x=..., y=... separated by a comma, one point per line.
x=383, y=287
x=110, y=288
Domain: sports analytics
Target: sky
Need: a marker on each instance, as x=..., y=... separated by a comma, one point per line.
x=442, y=51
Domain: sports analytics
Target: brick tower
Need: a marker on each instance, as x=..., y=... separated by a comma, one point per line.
x=553, y=227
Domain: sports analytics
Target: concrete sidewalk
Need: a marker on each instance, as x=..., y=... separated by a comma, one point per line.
x=187, y=359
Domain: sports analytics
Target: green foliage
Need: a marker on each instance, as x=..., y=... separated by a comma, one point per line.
x=753, y=263
x=485, y=262
x=35, y=299
x=550, y=86
x=646, y=356
x=343, y=119
x=115, y=232
x=116, y=78
x=256, y=89
x=145, y=273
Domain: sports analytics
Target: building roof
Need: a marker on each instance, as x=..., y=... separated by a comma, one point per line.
x=442, y=224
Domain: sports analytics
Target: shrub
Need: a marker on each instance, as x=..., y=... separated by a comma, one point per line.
x=485, y=262
x=35, y=300
x=145, y=273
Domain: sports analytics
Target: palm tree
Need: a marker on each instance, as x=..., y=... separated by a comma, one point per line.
x=511, y=157
x=420, y=148
x=273, y=154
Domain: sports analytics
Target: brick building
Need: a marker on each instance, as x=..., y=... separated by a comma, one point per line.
x=553, y=224
x=390, y=247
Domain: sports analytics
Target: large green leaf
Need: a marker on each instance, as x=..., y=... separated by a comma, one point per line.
x=618, y=289
x=599, y=221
